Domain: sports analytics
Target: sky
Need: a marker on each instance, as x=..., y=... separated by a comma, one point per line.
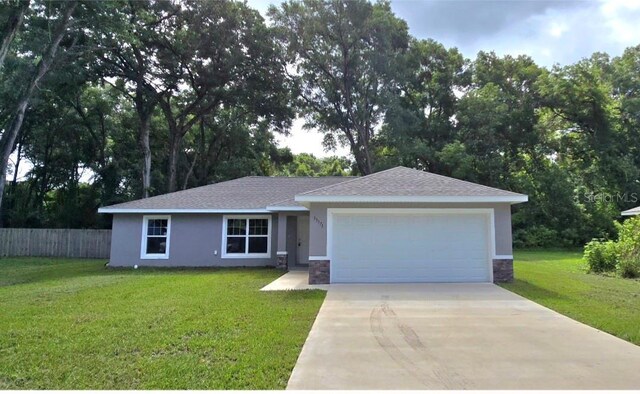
x=551, y=32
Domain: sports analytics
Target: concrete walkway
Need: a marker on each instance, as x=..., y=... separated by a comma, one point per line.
x=293, y=280
x=455, y=336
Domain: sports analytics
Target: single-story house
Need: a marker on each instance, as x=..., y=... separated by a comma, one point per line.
x=631, y=212
x=398, y=225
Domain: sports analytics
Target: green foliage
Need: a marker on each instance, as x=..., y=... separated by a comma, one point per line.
x=629, y=235
x=601, y=256
x=305, y=164
x=629, y=248
x=418, y=122
x=536, y=237
x=629, y=265
x=622, y=256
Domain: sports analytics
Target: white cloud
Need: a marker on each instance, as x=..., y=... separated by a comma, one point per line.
x=557, y=29
x=566, y=35
x=621, y=17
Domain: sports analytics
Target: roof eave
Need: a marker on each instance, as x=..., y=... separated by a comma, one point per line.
x=278, y=208
x=631, y=212
x=515, y=199
x=180, y=210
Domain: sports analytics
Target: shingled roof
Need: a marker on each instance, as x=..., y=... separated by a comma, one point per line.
x=406, y=184
x=264, y=194
x=248, y=193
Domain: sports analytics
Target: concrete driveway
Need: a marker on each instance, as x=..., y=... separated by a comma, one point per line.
x=455, y=336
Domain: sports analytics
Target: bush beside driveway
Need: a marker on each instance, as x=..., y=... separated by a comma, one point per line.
x=72, y=324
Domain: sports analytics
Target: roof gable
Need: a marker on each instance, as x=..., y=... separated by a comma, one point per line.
x=402, y=184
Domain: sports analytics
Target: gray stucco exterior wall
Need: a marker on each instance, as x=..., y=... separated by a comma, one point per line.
x=195, y=238
x=504, y=241
x=318, y=222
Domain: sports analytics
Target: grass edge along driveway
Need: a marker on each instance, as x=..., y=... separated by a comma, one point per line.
x=73, y=324
x=558, y=280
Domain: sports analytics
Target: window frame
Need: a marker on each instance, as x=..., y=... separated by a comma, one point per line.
x=246, y=254
x=143, y=243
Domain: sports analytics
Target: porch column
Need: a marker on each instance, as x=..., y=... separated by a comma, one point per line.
x=283, y=258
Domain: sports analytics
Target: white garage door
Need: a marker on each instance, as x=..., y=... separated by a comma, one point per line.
x=409, y=246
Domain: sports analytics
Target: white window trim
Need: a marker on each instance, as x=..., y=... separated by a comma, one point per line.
x=246, y=255
x=143, y=242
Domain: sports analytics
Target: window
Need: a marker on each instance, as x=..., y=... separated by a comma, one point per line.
x=246, y=236
x=156, y=231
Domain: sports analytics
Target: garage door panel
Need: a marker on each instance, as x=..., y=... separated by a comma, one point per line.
x=433, y=276
x=393, y=247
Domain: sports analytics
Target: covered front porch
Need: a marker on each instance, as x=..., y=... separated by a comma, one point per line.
x=293, y=241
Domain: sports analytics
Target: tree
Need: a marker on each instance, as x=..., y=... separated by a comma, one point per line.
x=15, y=14
x=345, y=54
x=420, y=121
x=215, y=55
x=496, y=118
x=306, y=164
x=11, y=132
x=626, y=91
x=127, y=52
x=580, y=96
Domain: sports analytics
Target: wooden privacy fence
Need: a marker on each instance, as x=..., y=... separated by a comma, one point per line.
x=55, y=242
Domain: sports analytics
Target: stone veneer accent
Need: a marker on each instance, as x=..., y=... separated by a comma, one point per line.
x=283, y=262
x=502, y=270
x=319, y=272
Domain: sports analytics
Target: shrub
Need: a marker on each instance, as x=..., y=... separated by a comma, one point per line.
x=629, y=266
x=629, y=248
x=536, y=237
x=601, y=256
x=629, y=236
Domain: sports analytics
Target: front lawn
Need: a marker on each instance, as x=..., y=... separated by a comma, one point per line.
x=557, y=280
x=72, y=324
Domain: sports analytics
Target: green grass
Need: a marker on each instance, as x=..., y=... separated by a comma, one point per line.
x=558, y=280
x=72, y=324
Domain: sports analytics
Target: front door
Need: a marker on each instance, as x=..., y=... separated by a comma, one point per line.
x=303, y=240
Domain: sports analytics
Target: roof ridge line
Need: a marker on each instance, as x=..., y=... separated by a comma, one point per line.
x=300, y=176
x=355, y=179
x=469, y=182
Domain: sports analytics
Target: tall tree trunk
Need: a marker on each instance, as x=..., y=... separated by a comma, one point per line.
x=13, y=25
x=361, y=158
x=145, y=146
x=145, y=104
x=11, y=133
x=367, y=157
x=174, y=152
x=176, y=134
x=185, y=183
x=16, y=167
